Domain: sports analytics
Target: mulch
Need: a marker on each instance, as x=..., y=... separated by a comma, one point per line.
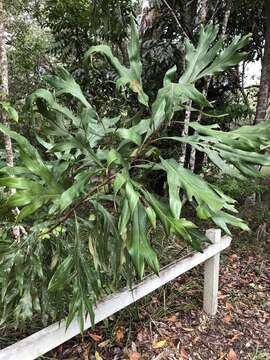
x=170, y=323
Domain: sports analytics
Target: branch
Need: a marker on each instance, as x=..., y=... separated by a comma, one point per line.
x=70, y=212
x=176, y=19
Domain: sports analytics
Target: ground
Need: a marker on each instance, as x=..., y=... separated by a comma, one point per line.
x=170, y=323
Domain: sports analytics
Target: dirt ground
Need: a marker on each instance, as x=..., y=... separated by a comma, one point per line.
x=170, y=323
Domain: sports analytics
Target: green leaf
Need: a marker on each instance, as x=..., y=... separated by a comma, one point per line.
x=246, y=138
x=114, y=157
x=108, y=230
x=135, y=64
x=222, y=218
x=198, y=58
x=209, y=57
x=65, y=84
x=52, y=103
x=37, y=167
x=29, y=209
x=214, y=155
x=20, y=198
x=228, y=57
x=216, y=159
x=138, y=243
x=174, y=198
x=174, y=95
x=171, y=225
x=74, y=191
x=253, y=137
x=162, y=212
x=23, y=143
x=158, y=116
x=119, y=182
x=171, y=98
x=21, y=183
x=194, y=185
x=12, y=113
x=127, y=76
x=169, y=76
x=151, y=216
x=132, y=196
x=129, y=134
x=202, y=212
x=15, y=170
x=61, y=274
x=106, y=50
x=198, y=238
x=24, y=309
x=43, y=94
x=124, y=219
x=228, y=150
x=237, y=148
x=247, y=169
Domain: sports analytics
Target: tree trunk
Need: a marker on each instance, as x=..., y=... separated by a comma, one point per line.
x=183, y=156
x=227, y=7
x=203, y=11
x=17, y=230
x=263, y=95
x=149, y=13
x=4, y=84
x=123, y=48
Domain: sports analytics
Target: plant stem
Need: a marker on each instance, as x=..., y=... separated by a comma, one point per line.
x=70, y=212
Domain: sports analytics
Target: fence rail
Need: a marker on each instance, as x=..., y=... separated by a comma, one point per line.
x=54, y=335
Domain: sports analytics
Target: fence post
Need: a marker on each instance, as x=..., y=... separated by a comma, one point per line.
x=211, y=274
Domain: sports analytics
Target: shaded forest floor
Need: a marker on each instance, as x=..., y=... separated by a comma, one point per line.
x=170, y=323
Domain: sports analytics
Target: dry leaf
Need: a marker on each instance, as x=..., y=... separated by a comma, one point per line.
x=159, y=344
x=140, y=336
x=235, y=337
x=183, y=354
x=135, y=356
x=119, y=335
x=227, y=319
x=221, y=296
x=232, y=355
x=97, y=356
x=197, y=338
x=234, y=257
x=221, y=355
x=238, y=311
x=229, y=306
x=104, y=344
x=85, y=353
x=133, y=346
x=95, y=337
x=172, y=318
x=187, y=329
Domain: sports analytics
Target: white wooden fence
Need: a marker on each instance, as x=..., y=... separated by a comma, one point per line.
x=54, y=335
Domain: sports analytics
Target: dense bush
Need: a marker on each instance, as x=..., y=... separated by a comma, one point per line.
x=86, y=202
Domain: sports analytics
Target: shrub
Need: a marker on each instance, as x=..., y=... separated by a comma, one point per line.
x=86, y=203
